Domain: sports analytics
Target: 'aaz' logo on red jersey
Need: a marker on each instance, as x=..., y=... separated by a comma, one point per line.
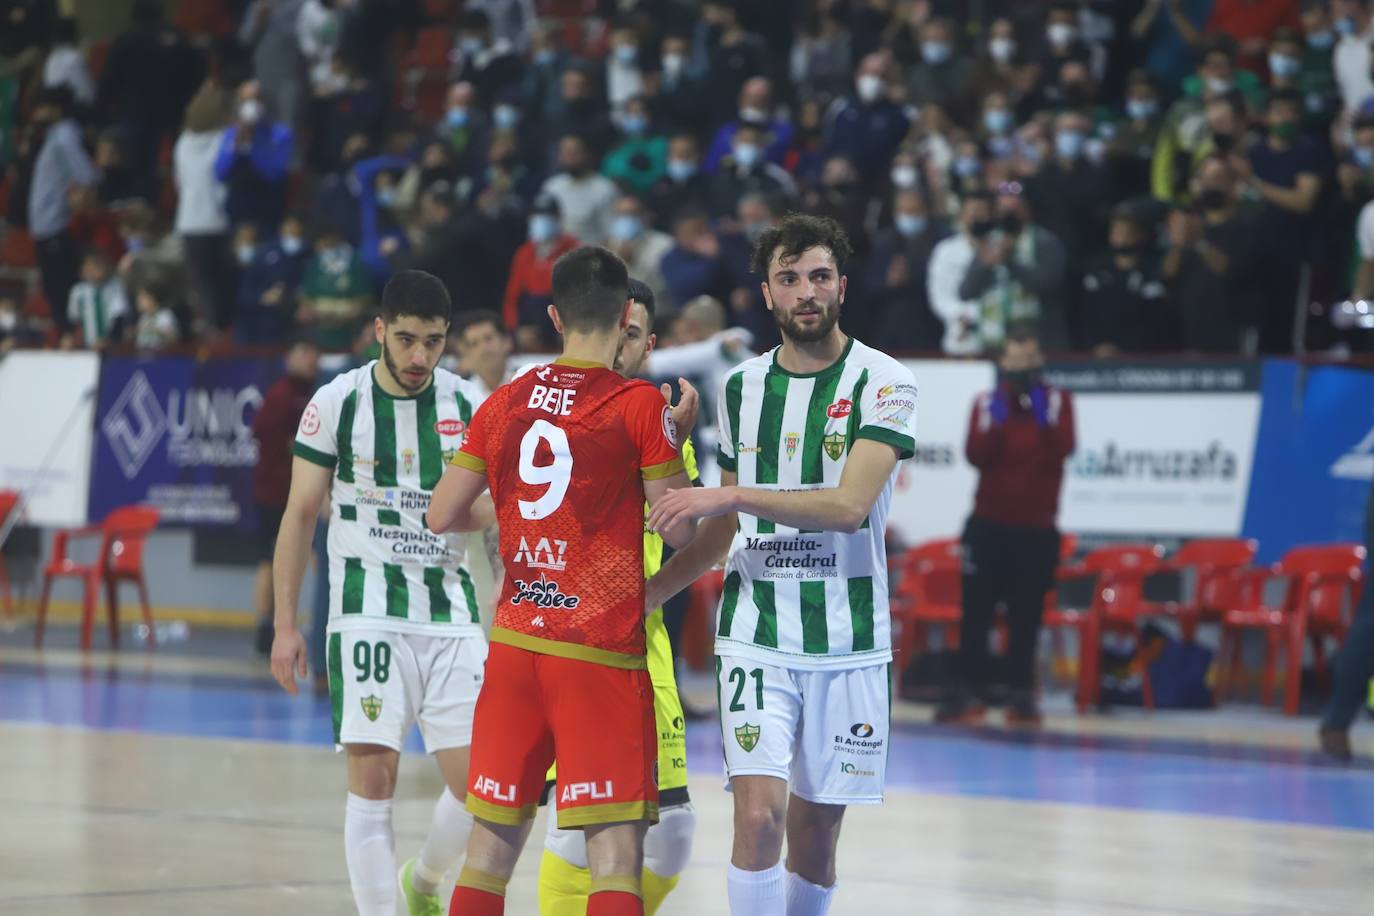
x=839, y=409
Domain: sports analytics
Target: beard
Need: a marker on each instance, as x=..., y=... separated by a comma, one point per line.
x=401, y=379
x=794, y=330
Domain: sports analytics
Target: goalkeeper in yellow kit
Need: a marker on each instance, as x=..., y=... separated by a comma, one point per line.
x=564, y=880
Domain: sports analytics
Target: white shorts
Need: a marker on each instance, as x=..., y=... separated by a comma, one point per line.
x=824, y=732
x=380, y=682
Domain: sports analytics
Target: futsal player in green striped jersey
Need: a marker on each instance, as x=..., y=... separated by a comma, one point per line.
x=405, y=641
x=810, y=437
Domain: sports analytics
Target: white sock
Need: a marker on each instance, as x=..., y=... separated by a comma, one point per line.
x=756, y=893
x=444, y=846
x=807, y=899
x=370, y=850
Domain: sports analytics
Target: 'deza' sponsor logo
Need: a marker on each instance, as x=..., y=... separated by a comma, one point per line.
x=840, y=409
x=1216, y=463
x=543, y=593
x=450, y=427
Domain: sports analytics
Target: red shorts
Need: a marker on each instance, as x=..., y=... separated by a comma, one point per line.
x=600, y=719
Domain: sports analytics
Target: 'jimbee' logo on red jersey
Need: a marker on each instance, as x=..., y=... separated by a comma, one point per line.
x=543, y=593
x=839, y=409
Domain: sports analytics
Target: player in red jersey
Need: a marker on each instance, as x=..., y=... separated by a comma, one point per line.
x=570, y=451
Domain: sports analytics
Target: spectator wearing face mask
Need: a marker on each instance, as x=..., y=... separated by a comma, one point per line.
x=1316, y=78
x=1356, y=176
x=733, y=55
x=1217, y=73
x=585, y=198
x=1003, y=68
x=541, y=86
x=1218, y=130
x=942, y=77
x=381, y=236
x=270, y=29
x=746, y=171
x=624, y=69
x=1293, y=69
x=640, y=158
x=254, y=155
x=1286, y=173
x=1071, y=194
x=530, y=286
x=1209, y=262
x=335, y=290
x=997, y=127
x=639, y=245
x=675, y=89
x=1125, y=304
x=755, y=109
x=1135, y=137
x=821, y=60
x=201, y=220
x=867, y=127
x=464, y=128
x=1062, y=39
x=682, y=182
x=949, y=264
x=896, y=281
x=269, y=283
x=491, y=64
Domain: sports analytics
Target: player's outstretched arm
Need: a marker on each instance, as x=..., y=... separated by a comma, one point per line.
x=310, y=484
x=707, y=550
x=842, y=508
x=458, y=503
x=678, y=534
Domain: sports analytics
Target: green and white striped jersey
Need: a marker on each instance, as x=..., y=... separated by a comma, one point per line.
x=810, y=599
x=385, y=569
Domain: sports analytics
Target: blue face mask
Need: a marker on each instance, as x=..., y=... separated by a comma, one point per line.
x=1345, y=25
x=967, y=167
x=997, y=120
x=456, y=117
x=748, y=155
x=1141, y=109
x=681, y=169
x=471, y=46
x=626, y=228
x=544, y=58
x=1363, y=156
x=1068, y=143
x=292, y=244
x=1321, y=40
x=626, y=54
x=505, y=116
x=935, y=52
x=543, y=227
x=907, y=225
x=386, y=197
x=1284, y=66
x=634, y=125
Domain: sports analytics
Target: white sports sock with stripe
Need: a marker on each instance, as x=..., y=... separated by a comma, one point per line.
x=370, y=850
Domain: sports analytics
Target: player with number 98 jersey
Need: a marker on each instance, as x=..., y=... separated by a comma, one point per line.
x=565, y=449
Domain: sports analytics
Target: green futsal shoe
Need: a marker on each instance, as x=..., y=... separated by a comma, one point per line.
x=417, y=904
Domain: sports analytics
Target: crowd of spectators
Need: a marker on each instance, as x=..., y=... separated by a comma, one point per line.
x=1134, y=177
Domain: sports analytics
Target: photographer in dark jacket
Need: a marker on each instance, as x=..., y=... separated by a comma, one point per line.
x=1019, y=435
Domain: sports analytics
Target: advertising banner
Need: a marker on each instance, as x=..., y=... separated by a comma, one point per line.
x=1315, y=457
x=934, y=490
x=177, y=433
x=1164, y=450
x=46, y=403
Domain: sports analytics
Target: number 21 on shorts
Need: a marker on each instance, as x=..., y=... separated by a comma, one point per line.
x=738, y=679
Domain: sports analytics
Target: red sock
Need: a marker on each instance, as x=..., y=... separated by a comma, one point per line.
x=469, y=901
x=614, y=903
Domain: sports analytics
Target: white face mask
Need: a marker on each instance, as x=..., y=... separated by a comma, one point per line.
x=870, y=87
x=250, y=111
x=673, y=64
x=1001, y=49
x=1060, y=33
x=904, y=176
x=753, y=114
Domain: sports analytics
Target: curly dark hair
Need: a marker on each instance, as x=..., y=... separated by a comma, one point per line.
x=796, y=233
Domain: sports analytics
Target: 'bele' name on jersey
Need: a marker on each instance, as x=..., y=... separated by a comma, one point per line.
x=810, y=599
x=388, y=453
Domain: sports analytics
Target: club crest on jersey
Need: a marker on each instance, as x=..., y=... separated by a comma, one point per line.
x=547, y=554
x=372, y=707
x=791, y=440
x=833, y=445
x=748, y=736
x=408, y=458
x=840, y=409
x=543, y=593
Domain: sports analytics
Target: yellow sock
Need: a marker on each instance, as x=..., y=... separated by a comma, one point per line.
x=563, y=887
x=656, y=890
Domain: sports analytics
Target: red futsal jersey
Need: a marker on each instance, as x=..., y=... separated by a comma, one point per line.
x=566, y=448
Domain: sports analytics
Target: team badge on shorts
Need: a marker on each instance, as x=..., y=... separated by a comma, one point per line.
x=372, y=707
x=748, y=736
x=833, y=445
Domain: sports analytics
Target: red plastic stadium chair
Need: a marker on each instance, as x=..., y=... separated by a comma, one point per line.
x=1117, y=606
x=1322, y=588
x=9, y=499
x=929, y=593
x=1218, y=565
x=122, y=537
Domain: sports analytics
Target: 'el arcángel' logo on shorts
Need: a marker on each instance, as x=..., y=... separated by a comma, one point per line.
x=543, y=593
